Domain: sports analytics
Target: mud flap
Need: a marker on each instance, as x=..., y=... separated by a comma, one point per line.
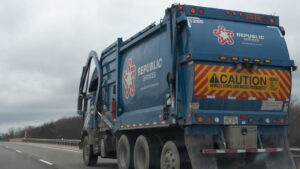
x=194, y=145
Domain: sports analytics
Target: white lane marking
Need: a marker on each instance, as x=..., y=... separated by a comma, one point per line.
x=54, y=148
x=18, y=151
x=47, y=162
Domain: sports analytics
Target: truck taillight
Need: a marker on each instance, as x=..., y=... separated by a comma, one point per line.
x=208, y=119
x=265, y=19
x=180, y=8
x=241, y=14
x=274, y=120
x=201, y=11
x=233, y=13
x=227, y=12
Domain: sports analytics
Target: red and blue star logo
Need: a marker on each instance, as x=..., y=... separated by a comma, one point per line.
x=128, y=79
x=224, y=36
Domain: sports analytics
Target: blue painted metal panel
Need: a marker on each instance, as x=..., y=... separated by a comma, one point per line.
x=144, y=68
x=213, y=38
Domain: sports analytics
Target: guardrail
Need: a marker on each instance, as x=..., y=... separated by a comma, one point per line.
x=53, y=141
x=296, y=156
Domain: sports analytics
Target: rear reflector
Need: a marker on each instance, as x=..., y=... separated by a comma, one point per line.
x=221, y=151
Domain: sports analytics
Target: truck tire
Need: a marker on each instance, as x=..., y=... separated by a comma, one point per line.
x=170, y=157
x=146, y=153
x=87, y=153
x=125, y=152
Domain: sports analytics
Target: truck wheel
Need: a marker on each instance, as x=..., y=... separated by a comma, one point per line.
x=87, y=153
x=146, y=153
x=170, y=158
x=125, y=152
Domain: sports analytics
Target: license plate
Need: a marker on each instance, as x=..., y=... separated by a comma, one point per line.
x=230, y=120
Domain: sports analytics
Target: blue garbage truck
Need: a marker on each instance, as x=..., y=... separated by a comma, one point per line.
x=204, y=88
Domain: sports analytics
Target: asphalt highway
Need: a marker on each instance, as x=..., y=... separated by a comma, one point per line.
x=18, y=155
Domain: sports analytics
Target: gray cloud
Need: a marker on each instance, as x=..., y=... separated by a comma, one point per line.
x=44, y=45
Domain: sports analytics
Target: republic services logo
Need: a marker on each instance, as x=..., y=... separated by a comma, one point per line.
x=224, y=36
x=128, y=79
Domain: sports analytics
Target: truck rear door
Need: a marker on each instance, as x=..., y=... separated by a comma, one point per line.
x=240, y=69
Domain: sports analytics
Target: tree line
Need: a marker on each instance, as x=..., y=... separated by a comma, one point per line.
x=65, y=128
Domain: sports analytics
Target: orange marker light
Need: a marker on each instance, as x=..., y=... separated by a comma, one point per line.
x=267, y=61
x=282, y=120
x=193, y=10
x=272, y=20
x=234, y=58
x=200, y=119
x=223, y=58
x=256, y=60
x=246, y=59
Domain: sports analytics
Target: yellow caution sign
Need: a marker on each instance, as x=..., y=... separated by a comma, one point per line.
x=225, y=81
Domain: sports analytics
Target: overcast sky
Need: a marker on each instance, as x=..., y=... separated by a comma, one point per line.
x=44, y=44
